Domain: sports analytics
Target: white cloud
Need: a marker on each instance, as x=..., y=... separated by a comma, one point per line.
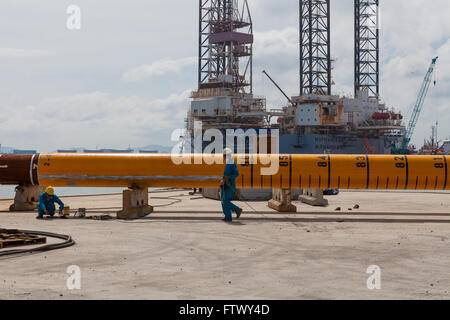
x=158, y=68
x=22, y=53
x=275, y=42
x=93, y=119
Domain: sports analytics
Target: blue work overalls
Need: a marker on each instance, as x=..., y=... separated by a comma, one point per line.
x=49, y=204
x=227, y=190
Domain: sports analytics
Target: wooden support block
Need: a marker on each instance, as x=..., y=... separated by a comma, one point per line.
x=281, y=201
x=26, y=198
x=135, y=204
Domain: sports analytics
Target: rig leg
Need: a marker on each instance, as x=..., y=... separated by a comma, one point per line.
x=26, y=198
x=135, y=204
x=313, y=197
x=281, y=201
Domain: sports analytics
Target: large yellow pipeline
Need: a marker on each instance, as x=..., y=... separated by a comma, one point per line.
x=295, y=171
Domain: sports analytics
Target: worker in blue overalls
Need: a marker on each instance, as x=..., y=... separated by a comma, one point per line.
x=47, y=203
x=228, y=186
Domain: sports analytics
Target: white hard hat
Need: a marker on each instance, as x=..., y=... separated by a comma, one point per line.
x=227, y=151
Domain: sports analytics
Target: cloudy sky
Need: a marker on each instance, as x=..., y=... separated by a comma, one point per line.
x=125, y=77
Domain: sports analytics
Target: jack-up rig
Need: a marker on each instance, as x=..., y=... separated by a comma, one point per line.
x=319, y=121
x=315, y=121
x=224, y=98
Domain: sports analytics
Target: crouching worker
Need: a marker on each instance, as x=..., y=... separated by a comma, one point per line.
x=228, y=187
x=47, y=203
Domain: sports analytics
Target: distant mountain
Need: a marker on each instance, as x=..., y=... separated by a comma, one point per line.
x=160, y=149
x=152, y=147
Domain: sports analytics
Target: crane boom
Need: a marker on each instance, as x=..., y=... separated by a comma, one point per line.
x=276, y=85
x=418, y=106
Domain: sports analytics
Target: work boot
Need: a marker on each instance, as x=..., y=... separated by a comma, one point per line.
x=238, y=213
x=39, y=217
x=227, y=220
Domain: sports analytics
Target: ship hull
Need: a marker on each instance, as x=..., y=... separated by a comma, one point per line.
x=334, y=144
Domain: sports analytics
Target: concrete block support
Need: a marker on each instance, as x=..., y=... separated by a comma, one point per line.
x=135, y=204
x=26, y=198
x=211, y=193
x=240, y=195
x=281, y=201
x=313, y=197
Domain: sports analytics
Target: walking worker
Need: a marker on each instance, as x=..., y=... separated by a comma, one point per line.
x=47, y=203
x=228, y=186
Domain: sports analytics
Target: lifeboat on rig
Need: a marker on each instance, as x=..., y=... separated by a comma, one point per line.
x=386, y=116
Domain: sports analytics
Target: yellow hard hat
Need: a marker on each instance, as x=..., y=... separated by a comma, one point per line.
x=50, y=191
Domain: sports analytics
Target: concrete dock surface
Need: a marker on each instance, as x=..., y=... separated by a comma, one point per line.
x=184, y=251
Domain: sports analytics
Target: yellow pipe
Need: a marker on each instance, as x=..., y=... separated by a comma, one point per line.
x=295, y=171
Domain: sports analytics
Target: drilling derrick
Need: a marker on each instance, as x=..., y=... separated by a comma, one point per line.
x=317, y=121
x=367, y=47
x=315, y=62
x=225, y=46
x=224, y=98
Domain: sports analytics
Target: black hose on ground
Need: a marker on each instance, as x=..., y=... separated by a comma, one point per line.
x=67, y=243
